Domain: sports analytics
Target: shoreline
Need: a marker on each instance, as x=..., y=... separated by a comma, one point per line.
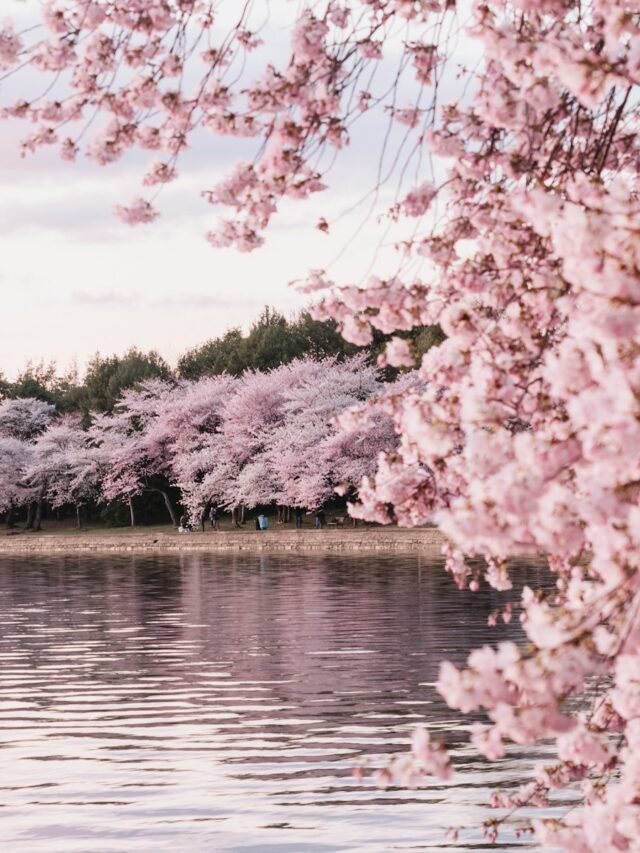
x=306, y=541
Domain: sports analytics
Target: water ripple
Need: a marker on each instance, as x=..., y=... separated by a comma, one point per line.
x=220, y=703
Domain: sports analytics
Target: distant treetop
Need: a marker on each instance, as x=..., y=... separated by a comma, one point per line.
x=272, y=341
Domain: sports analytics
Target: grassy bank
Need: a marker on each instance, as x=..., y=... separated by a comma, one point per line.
x=163, y=538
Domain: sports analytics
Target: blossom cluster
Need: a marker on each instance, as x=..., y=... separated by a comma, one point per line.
x=529, y=422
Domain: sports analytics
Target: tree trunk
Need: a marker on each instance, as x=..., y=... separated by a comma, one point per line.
x=79, y=523
x=10, y=522
x=241, y=513
x=29, y=524
x=132, y=514
x=37, y=521
x=203, y=515
x=169, y=505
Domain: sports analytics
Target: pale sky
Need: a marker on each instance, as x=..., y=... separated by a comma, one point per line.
x=75, y=280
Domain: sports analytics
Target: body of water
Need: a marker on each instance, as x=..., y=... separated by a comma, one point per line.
x=220, y=702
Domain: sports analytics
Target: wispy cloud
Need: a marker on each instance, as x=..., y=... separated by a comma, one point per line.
x=104, y=298
x=199, y=300
x=185, y=300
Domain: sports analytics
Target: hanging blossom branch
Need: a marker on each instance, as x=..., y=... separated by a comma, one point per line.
x=525, y=436
x=159, y=71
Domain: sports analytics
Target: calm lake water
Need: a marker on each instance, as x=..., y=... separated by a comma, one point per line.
x=219, y=703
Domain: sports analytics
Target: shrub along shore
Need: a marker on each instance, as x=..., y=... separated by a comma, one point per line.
x=378, y=539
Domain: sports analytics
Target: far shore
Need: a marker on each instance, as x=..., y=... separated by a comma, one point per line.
x=380, y=539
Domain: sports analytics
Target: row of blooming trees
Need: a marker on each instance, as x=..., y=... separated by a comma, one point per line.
x=522, y=241
x=263, y=438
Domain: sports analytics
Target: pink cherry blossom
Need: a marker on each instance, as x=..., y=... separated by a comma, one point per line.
x=140, y=211
x=10, y=47
x=159, y=173
x=519, y=434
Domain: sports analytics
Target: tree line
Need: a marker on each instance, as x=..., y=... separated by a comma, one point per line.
x=171, y=446
x=271, y=341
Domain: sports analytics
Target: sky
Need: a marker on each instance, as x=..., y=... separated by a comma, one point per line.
x=74, y=280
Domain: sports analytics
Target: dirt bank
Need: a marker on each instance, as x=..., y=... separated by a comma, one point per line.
x=360, y=539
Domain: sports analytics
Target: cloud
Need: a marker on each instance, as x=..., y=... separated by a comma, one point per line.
x=188, y=301
x=104, y=298
x=81, y=208
x=185, y=301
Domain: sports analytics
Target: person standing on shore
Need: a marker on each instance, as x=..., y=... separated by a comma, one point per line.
x=214, y=517
x=298, y=517
x=320, y=519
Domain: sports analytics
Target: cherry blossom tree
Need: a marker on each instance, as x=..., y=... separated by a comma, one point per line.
x=307, y=457
x=521, y=241
x=269, y=441
x=199, y=460
x=266, y=438
x=21, y=423
x=63, y=467
x=14, y=460
x=134, y=454
x=366, y=436
x=25, y=419
x=252, y=419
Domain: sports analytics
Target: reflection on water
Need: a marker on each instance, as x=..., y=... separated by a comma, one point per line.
x=219, y=703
